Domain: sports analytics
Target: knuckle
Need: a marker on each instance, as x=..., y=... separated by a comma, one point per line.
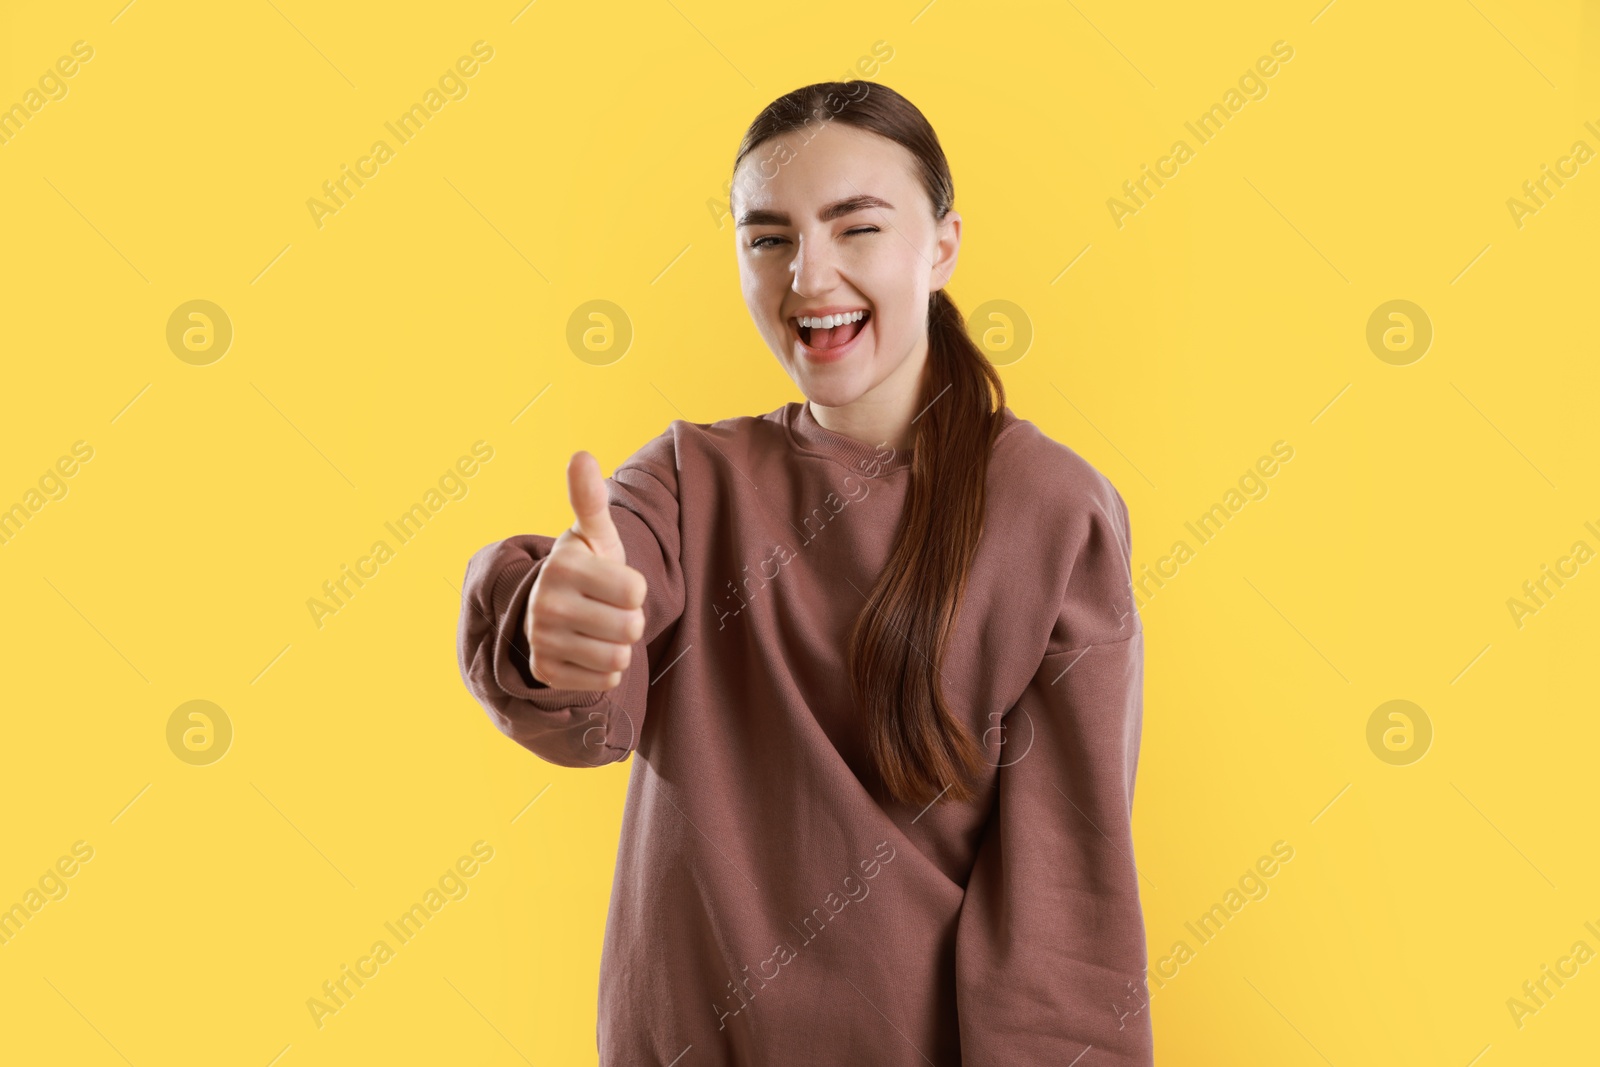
x=556, y=572
x=566, y=565
x=549, y=614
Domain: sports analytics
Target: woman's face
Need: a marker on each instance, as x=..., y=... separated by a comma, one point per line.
x=839, y=223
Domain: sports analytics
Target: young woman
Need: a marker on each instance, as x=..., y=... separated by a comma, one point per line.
x=877, y=654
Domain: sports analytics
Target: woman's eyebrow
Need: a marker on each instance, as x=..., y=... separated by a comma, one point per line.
x=829, y=212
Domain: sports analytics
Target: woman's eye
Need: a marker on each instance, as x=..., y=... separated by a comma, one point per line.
x=757, y=243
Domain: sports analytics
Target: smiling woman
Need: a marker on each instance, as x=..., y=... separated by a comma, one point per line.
x=859, y=258
x=855, y=704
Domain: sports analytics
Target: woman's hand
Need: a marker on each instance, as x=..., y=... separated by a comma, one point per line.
x=585, y=611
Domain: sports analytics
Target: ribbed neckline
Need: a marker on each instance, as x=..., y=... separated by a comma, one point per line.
x=809, y=435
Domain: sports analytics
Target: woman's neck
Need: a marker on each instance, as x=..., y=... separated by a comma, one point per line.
x=885, y=412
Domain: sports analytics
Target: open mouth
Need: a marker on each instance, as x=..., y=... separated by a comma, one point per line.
x=822, y=340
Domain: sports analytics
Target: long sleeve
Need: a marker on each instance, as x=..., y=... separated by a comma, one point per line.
x=574, y=727
x=1050, y=952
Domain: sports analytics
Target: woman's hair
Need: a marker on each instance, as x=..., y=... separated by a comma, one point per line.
x=920, y=749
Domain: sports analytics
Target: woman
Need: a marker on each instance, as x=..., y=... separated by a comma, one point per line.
x=881, y=808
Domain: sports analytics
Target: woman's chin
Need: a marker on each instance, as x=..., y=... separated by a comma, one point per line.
x=814, y=378
x=828, y=390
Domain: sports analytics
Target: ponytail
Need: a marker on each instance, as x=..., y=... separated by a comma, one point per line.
x=898, y=644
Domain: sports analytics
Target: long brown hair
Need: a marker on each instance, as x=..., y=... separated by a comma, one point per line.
x=920, y=749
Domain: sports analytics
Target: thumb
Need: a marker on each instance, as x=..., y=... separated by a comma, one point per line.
x=592, y=508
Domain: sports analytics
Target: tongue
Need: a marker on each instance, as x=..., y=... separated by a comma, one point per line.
x=839, y=335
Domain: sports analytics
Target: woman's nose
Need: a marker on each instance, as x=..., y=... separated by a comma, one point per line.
x=812, y=267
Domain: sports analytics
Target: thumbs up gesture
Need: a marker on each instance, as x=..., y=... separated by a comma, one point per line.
x=586, y=608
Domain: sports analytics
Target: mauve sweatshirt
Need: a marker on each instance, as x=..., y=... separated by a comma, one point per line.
x=771, y=905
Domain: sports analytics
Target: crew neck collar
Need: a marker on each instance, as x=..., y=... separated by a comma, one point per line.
x=811, y=436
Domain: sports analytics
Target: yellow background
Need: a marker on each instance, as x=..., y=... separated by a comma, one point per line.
x=368, y=354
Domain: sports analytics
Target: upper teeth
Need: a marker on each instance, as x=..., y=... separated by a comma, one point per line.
x=828, y=322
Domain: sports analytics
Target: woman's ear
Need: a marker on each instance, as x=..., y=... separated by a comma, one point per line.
x=947, y=249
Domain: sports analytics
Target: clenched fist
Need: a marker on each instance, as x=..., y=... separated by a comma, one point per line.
x=586, y=609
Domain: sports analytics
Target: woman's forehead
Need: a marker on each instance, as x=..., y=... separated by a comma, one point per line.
x=791, y=175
